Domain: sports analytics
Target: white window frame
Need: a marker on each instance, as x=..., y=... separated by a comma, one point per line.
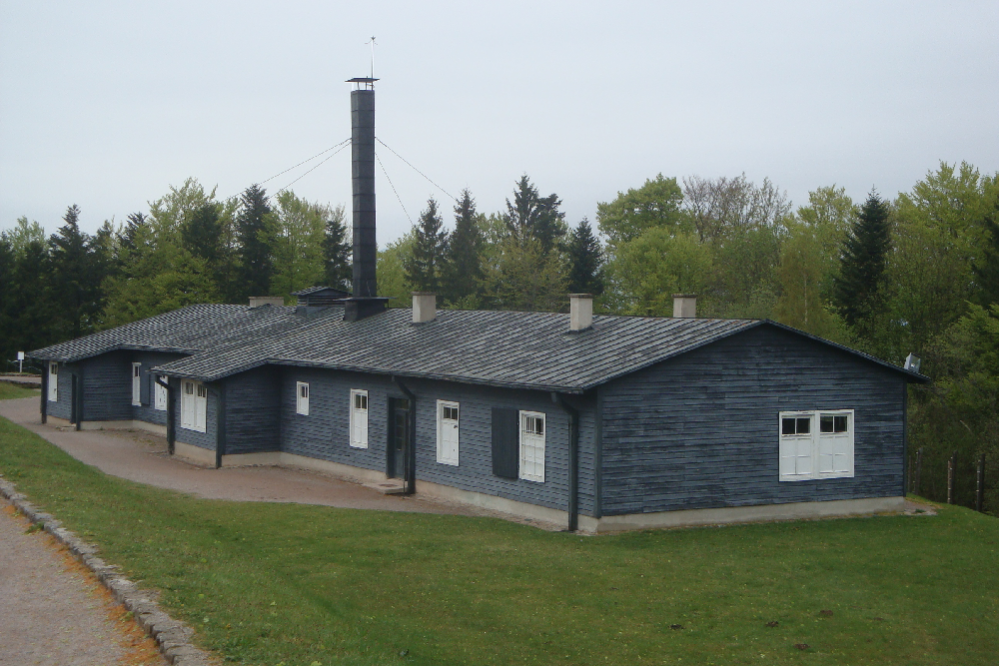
x=194, y=405
x=53, y=381
x=446, y=457
x=531, y=448
x=302, y=398
x=136, y=384
x=159, y=394
x=359, y=420
x=816, y=455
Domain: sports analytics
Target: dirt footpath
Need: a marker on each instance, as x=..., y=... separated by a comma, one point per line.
x=142, y=457
x=53, y=611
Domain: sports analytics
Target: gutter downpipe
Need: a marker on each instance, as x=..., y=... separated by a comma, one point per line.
x=45, y=392
x=220, y=424
x=573, y=503
x=78, y=396
x=410, y=455
x=170, y=414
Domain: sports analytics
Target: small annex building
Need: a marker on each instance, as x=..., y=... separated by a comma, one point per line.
x=604, y=423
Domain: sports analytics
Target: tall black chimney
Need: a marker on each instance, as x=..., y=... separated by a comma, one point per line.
x=365, y=300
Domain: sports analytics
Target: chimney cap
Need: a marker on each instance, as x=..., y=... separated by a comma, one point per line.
x=685, y=295
x=581, y=295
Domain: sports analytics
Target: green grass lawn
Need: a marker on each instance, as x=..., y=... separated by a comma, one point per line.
x=12, y=392
x=273, y=583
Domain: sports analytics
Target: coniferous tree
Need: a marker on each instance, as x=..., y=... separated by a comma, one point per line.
x=255, y=254
x=423, y=267
x=857, y=290
x=34, y=312
x=463, y=266
x=200, y=234
x=75, y=281
x=134, y=222
x=536, y=216
x=585, y=259
x=7, y=343
x=337, y=251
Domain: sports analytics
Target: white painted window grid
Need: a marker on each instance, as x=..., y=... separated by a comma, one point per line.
x=359, y=418
x=159, y=394
x=194, y=406
x=447, y=432
x=816, y=444
x=302, y=398
x=53, y=382
x=532, y=446
x=136, y=387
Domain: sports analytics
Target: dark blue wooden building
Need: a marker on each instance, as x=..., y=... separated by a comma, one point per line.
x=605, y=423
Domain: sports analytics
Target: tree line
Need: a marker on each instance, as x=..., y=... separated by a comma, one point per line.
x=914, y=274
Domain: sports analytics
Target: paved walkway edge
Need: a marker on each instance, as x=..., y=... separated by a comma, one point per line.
x=172, y=636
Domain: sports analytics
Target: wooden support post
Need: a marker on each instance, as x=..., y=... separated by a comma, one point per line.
x=916, y=474
x=980, y=482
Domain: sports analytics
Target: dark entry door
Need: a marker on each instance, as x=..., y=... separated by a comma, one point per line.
x=399, y=436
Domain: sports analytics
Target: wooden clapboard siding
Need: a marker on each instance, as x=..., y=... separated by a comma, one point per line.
x=324, y=433
x=701, y=430
x=252, y=411
x=204, y=440
x=63, y=407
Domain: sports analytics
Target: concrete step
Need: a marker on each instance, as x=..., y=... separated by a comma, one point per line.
x=388, y=487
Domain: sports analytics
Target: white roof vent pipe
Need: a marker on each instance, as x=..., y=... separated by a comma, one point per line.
x=581, y=312
x=684, y=305
x=424, y=307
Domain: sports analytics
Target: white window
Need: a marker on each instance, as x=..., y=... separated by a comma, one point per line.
x=447, y=432
x=302, y=398
x=532, y=446
x=136, y=386
x=815, y=445
x=359, y=419
x=194, y=405
x=159, y=394
x=53, y=382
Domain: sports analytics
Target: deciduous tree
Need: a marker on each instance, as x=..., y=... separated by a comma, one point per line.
x=656, y=204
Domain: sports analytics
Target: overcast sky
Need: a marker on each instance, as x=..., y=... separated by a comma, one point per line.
x=108, y=104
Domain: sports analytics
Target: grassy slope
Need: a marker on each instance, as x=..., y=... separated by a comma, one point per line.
x=12, y=392
x=266, y=583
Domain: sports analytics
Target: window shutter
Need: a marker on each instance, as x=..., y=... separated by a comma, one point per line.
x=144, y=387
x=505, y=424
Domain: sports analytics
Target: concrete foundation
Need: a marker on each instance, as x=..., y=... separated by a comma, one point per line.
x=742, y=514
x=588, y=524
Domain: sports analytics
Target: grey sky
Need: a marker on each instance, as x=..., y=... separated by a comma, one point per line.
x=107, y=104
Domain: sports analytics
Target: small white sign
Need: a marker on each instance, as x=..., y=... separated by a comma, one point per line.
x=20, y=356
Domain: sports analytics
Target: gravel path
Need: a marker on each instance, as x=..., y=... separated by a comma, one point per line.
x=53, y=611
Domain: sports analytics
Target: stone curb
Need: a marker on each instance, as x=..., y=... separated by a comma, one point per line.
x=172, y=637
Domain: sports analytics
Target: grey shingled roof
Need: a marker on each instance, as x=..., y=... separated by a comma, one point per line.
x=530, y=350
x=189, y=330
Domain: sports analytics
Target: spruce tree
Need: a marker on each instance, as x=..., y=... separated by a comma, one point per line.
x=857, y=290
x=462, y=271
x=75, y=282
x=424, y=266
x=337, y=252
x=254, y=251
x=201, y=233
x=535, y=216
x=585, y=259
